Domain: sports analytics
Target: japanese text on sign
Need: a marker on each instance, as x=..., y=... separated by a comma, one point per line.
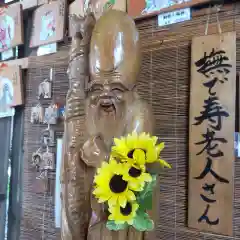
x=211, y=143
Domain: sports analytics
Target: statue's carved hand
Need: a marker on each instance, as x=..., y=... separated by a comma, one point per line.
x=94, y=151
x=83, y=27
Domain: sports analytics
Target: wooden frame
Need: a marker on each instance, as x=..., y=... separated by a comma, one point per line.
x=11, y=78
x=48, y=23
x=11, y=24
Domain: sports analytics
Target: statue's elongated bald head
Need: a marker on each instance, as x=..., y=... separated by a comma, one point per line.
x=114, y=51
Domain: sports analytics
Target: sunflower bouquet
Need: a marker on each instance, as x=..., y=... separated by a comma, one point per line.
x=124, y=183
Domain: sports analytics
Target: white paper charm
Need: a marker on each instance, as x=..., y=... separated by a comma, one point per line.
x=37, y=114
x=45, y=89
x=51, y=114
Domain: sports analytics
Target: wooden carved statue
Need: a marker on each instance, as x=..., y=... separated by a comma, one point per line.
x=103, y=71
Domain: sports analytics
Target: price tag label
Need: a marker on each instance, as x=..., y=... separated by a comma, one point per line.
x=174, y=17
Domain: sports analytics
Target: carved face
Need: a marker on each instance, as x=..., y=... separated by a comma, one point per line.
x=107, y=98
x=106, y=107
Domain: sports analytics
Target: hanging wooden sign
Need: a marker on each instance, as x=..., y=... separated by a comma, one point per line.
x=48, y=23
x=11, y=26
x=211, y=133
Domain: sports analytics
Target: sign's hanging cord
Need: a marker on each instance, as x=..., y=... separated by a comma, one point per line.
x=216, y=8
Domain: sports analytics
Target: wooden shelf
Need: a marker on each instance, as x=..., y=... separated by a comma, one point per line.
x=173, y=8
x=22, y=62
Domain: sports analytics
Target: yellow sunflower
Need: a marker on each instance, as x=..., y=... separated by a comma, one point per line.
x=110, y=186
x=140, y=149
x=136, y=176
x=123, y=215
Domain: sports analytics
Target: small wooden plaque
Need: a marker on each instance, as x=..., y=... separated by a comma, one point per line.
x=11, y=87
x=11, y=24
x=49, y=23
x=211, y=133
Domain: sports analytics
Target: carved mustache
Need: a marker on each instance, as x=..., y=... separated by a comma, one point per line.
x=105, y=101
x=107, y=104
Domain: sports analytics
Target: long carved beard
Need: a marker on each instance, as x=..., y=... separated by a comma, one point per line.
x=108, y=124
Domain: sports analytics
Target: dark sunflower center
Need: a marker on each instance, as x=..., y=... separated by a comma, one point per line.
x=134, y=172
x=117, y=184
x=127, y=210
x=130, y=153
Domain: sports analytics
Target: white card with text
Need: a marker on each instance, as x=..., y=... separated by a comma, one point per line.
x=174, y=17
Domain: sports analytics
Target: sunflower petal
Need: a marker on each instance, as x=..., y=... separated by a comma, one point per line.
x=147, y=177
x=164, y=163
x=118, y=141
x=112, y=201
x=135, y=206
x=139, y=156
x=130, y=196
x=97, y=191
x=103, y=199
x=113, y=162
x=135, y=187
x=154, y=140
x=122, y=200
x=151, y=155
x=160, y=147
x=131, y=140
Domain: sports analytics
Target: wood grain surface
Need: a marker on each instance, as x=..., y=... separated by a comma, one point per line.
x=57, y=9
x=207, y=140
x=14, y=11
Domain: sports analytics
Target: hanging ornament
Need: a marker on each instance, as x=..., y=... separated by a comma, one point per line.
x=36, y=158
x=48, y=160
x=51, y=114
x=37, y=113
x=45, y=89
x=47, y=137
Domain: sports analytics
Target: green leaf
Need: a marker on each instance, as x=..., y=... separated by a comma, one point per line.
x=111, y=225
x=142, y=222
x=144, y=198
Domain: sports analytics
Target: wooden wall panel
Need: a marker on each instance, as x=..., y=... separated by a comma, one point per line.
x=38, y=207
